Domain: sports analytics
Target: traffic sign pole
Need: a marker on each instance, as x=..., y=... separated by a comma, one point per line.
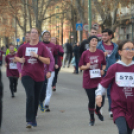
x=89, y=15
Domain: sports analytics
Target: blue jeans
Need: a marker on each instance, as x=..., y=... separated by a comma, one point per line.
x=77, y=67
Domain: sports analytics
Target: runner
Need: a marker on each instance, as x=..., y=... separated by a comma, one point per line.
x=12, y=71
x=93, y=63
x=46, y=41
x=57, y=68
x=27, y=40
x=33, y=55
x=121, y=75
x=1, y=56
x=110, y=50
x=47, y=74
x=1, y=96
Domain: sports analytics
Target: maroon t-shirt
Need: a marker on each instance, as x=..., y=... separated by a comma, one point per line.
x=60, y=49
x=32, y=66
x=108, y=48
x=51, y=47
x=11, y=72
x=96, y=59
x=1, y=53
x=122, y=97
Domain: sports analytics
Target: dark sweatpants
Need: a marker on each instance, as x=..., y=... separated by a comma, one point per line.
x=43, y=91
x=32, y=89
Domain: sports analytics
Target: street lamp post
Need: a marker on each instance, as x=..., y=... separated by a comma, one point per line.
x=132, y=26
x=89, y=15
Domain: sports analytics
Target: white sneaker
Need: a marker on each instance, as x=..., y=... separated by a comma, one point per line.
x=111, y=114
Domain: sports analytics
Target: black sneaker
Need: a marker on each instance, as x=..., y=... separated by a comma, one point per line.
x=91, y=123
x=100, y=116
x=47, y=108
x=54, y=88
x=12, y=96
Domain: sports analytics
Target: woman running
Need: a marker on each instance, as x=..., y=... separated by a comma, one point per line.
x=33, y=56
x=12, y=71
x=59, y=63
x=121, y=75
x=93, y=63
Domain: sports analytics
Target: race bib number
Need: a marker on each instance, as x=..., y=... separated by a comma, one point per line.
x=124, y=79
x=31, y=49
x=12, y=66
x=95, y=73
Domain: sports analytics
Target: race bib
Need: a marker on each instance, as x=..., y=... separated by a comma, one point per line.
x=31, y=49
x=124, y=79
x=12, y=66
x=95, y=73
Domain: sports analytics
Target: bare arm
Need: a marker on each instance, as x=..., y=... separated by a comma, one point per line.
x=42, y=59
x=85, y=67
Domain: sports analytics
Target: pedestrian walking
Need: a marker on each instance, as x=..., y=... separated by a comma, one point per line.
x=33, y=56
x=11, y=70
x=84, y=44
x=52, y=48
x=121, y=76
x=67, y=53
x=110, y=50
x=93, y=63
x=77, y=56
x=60, y=52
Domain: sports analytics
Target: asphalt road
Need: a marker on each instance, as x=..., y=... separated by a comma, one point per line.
x=69, y=113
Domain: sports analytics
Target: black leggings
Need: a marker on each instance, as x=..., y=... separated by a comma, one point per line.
x=55, y=77
x=122, y=126
x=32, y=89
x=91, y=98
x=13, y=84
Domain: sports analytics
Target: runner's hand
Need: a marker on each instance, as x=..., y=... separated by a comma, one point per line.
x=98, y=100
x=88, y=65
x=22, y=60
x=56, y=66
x=20, y=76
x=33, y=54
x=102, y=72
x=48, y=75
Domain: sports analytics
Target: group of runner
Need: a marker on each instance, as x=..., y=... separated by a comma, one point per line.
x=105, y=65
x=109, y=66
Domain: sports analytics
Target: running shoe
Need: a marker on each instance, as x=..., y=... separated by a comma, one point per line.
x=100, y=116
x=91, y=123
x=34, y=124
x=29, y=125
x=41, y=107
x=54, y=88
x=111, y=114
x=47, y=108
x=12, y=96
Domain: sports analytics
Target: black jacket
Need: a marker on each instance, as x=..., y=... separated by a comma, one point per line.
x=67, y=48
x=84, y=46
